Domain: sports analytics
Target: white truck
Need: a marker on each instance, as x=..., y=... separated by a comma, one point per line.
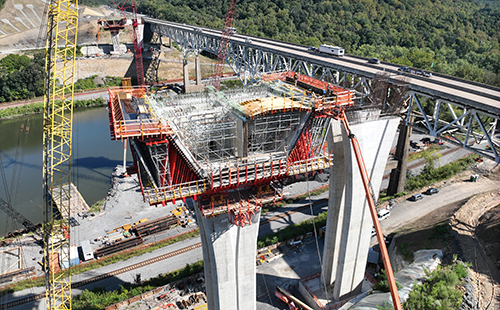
x=331, y=50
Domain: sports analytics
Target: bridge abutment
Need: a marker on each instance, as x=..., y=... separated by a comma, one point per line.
x=229, y=261
x=349, y=223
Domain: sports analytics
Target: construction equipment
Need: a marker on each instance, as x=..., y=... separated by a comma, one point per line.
x=137, y=46
x=125, y=227
x=227, y=32
x=62, y=25
x=290, y=300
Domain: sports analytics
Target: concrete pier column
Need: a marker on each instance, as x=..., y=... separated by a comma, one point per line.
x=192, y=88
x=115, y=39
x=349, y=223
x=229, y=261
x=198, y=69
x=398, y=175
x=185, y=75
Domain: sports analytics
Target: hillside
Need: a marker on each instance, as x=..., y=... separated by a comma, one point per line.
x=456, y=37
x=22, y=25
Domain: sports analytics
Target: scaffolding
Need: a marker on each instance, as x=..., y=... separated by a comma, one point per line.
x=226, y=148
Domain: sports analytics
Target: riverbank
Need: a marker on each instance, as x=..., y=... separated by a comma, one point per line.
x=21, y=109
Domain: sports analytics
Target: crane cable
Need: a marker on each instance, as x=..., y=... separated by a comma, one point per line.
x=315, y=233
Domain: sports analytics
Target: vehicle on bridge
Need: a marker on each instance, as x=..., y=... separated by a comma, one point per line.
x=374, y=61
x=232, y=30
x=331, y=50
x=413, y=71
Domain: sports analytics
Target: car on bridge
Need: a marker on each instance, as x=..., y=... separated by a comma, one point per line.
x=247, y=40
x=406, y=69
x=313, y=49
x=374, y=61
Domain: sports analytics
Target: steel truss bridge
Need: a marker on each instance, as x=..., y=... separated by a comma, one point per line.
x=463, y=112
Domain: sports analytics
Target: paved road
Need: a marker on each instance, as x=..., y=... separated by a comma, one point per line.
x=407, y=211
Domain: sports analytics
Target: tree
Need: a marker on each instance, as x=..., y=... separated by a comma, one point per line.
x=14, y=62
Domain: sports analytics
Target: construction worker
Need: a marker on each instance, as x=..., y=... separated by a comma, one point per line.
x=296, y=78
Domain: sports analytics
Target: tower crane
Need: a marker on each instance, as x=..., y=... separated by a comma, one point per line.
x=62, y=25
x=137, y=46
x=224, y=42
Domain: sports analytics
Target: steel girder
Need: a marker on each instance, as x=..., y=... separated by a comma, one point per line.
x=472, y=129
x=249, y=62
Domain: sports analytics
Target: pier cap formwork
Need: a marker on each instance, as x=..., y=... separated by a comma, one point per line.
x=227, y=150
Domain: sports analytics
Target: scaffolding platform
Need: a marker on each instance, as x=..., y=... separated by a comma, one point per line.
x=205, y=144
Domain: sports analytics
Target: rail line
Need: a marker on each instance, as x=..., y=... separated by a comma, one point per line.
x=106, y=275
x=146, y=262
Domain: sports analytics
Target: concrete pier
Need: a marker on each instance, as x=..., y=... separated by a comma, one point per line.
x=192, y=88
x=349, y=223
x=229, y=261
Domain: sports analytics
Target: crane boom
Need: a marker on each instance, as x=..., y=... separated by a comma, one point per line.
x=62, y=25
x=137, y=46
x=21, y=219
x=224, y=42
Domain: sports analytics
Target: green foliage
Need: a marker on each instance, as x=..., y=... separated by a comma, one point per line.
x=22, y=77
x=431, y=175
x=13, y=62
x=88, y=83
x=440, y=290
x=231, y=84
x=385, y=306
x=440, y=231
x=431, y=152
x=96, y=207
x=407, y=255
x=383, y=284
x=453, y=37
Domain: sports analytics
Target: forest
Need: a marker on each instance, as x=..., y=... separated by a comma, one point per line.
x=455, y=37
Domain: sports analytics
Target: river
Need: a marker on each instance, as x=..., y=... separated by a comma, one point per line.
x=94, y=157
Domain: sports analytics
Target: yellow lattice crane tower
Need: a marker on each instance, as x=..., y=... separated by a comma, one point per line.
x=62, y=25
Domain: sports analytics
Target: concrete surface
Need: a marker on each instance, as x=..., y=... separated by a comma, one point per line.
x=349, y=221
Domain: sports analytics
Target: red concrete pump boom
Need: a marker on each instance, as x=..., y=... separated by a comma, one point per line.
x=339, y=114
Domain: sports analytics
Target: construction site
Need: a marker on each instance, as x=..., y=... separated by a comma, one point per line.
x=215, y=145
x=229, y=152
x=206, y=161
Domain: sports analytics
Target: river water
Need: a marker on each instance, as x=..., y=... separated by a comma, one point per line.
x=94, y=157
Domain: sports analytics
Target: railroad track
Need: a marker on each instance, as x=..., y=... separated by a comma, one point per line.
x=149, y=261
x=106, y=275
